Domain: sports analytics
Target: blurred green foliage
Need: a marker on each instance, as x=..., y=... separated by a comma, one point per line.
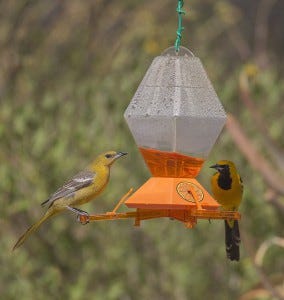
x=68, y=71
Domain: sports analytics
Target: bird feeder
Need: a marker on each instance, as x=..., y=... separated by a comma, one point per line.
x=175, y=118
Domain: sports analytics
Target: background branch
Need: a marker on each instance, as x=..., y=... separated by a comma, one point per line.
x=267, y=284
x=245, y=95
x=257, y=161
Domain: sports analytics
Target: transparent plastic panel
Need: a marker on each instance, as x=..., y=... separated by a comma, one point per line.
x=200, y=102
x=183, y=71
x=153, y=132
x=196, y=136
x=151, y=101
x=192, y=136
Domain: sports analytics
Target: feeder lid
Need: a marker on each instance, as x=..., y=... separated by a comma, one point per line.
x=175, y=107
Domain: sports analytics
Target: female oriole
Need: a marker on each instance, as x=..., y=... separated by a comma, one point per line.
x=80, y=189
x=227, y=189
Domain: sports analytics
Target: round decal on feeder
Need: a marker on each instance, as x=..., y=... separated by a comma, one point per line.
x=187, y=189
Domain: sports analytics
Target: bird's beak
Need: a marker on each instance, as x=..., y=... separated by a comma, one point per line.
x=217, y=167
x=119, y=154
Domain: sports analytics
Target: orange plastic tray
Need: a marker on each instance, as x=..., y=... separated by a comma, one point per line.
x=171, y=193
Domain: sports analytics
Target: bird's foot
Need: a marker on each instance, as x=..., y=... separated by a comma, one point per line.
x=82, y=216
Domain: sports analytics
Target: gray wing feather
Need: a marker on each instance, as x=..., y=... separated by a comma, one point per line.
x=77, y=182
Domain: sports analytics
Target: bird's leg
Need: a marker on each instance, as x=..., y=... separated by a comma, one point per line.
x=77, y=210
x=80, y=213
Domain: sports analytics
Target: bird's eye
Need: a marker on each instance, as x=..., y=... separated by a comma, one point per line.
x=108, y=155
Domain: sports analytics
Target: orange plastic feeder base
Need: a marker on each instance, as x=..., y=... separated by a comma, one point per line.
x=183, y=210
x=172, y=193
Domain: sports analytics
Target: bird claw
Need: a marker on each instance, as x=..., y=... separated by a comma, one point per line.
x=83, y=218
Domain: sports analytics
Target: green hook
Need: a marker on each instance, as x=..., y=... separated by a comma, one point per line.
x=180, y=29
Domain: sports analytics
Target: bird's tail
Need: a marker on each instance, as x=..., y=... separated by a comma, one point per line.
x=33, y=228
x=232, y=240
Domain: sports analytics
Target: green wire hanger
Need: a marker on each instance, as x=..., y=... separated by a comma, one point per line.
x=180, y=29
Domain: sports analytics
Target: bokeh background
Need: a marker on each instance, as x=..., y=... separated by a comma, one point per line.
x=68, y=71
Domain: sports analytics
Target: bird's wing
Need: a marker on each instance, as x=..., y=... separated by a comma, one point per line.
x=77, y=182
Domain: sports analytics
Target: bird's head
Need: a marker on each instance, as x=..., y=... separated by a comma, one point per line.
x=109, y=157
x=224, y=166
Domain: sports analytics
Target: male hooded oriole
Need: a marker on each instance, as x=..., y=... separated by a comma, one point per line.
x=227, y=189
x=79, y=190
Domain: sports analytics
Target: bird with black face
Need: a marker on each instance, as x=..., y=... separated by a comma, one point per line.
x=80, y=189
x=227, y=189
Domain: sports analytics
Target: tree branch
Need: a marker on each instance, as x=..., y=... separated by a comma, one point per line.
x=258, y=162
x=263, y=277
x=269, y=143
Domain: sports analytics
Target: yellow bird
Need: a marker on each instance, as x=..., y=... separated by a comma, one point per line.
x=227, y=189
x=80, y=189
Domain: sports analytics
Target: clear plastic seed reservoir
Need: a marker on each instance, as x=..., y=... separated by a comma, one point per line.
x=175, y=115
